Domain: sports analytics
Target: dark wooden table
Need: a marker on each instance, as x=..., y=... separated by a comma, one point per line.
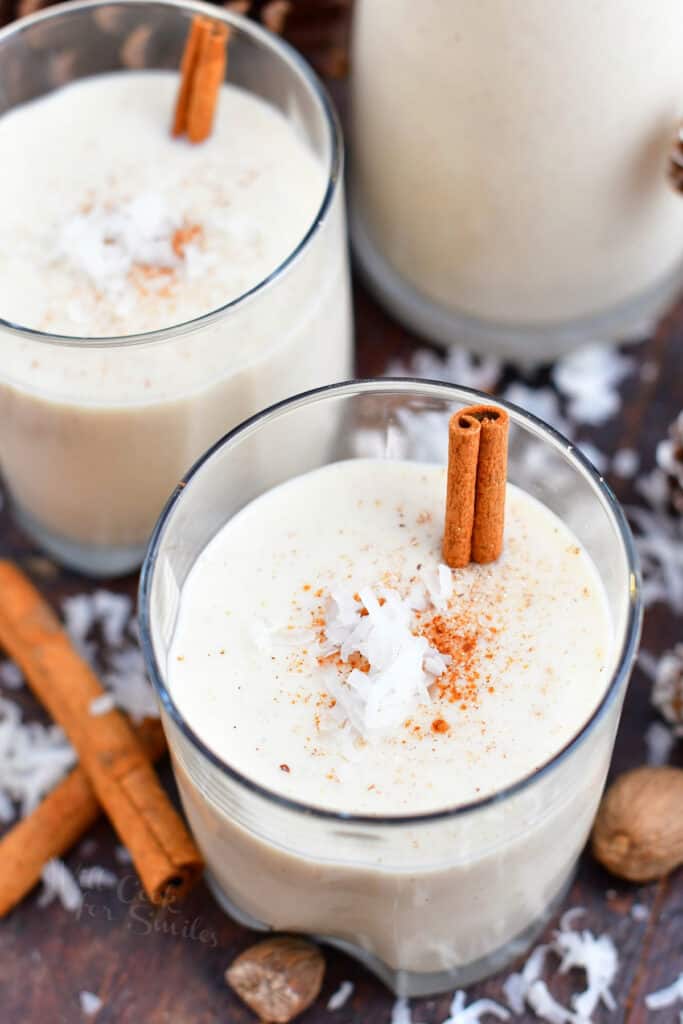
x=157, y=968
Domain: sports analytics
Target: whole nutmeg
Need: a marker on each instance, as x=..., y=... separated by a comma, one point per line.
x=278, y=978
x=638, y=832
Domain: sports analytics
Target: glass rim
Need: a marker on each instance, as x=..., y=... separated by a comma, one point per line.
x=281, y=50
x=624, y=660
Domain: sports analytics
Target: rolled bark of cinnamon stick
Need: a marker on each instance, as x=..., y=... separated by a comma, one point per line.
x=124, y=781
x=56, y=824
x=489, y=509
x=476, y=484
x=208, y=76
x=188, y=66
x=202, y=71
x=463, y=452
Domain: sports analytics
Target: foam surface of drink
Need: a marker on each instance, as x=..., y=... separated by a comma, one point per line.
x=110, y=226
x=528, y=639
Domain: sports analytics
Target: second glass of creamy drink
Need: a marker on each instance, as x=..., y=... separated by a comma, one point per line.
x=155, y=289
x=510, y=167
x=391, y=724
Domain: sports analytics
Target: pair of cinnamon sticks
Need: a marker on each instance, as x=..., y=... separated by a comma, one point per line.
x=115, y=771
x=475, y=488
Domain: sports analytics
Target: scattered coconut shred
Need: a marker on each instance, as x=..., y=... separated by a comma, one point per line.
x=90, y=1003
x=119, y=660
x=587, y=382
x=596, y=956
x=97, y=878
x=34, y=757
x=459, y=1013
x=666, y=997
x=59, y=883
x=341, y=996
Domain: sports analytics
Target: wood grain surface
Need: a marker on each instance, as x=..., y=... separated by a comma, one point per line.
x=161, y=967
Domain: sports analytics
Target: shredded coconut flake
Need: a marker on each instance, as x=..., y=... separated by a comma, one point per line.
x=113, y=612
x=401, y=665
x=664, y=997
x=596, y=956
x=106, y=243
x=121, y=664
x=546, y=1006
x=341, y=996
x=639, y=912
x=79, y=617
x=128, y=682
x=462, y=1014
x=33, y=758
x=589, y=379
x=59, y=883
x=541, y=402
x=10, y=675
x=659, y=742
x=400, y=1012
x=458, y=367
x=659, y=540
x=516, y=986
x=625, y=463
x=90, y=1003
x=102, y=704
x=97, y=878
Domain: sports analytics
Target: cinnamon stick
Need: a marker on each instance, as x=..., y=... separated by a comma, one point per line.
x=110, y=754
x=463, y=453
x=475, y=493
x=188, y=65
x=202, y=71
x=56, y=824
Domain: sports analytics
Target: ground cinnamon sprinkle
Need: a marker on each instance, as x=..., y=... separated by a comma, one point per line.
x=183, y=236
x=460, y=638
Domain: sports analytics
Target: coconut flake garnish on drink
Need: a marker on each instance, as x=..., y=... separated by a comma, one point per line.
x=134, y=248
x=378, y=667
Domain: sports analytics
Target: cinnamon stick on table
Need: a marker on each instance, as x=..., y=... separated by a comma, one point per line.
x=202, y=70
x=110, y=754
x=56, y=824
x=475, y=486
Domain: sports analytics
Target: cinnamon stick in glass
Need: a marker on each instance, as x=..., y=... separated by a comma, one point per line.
x=475, y=488
x=463, y=453
x=202, y=72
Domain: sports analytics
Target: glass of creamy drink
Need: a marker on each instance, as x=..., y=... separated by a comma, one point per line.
x=153, y=292
x=509, y=179
x=397, y=757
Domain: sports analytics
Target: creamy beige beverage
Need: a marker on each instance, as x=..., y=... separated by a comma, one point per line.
x=510, y=160
x=324, y=652
x=127, y=230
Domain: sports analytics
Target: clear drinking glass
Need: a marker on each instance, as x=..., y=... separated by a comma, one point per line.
x=510, y=168
x=96, y=431
x=382, y=888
